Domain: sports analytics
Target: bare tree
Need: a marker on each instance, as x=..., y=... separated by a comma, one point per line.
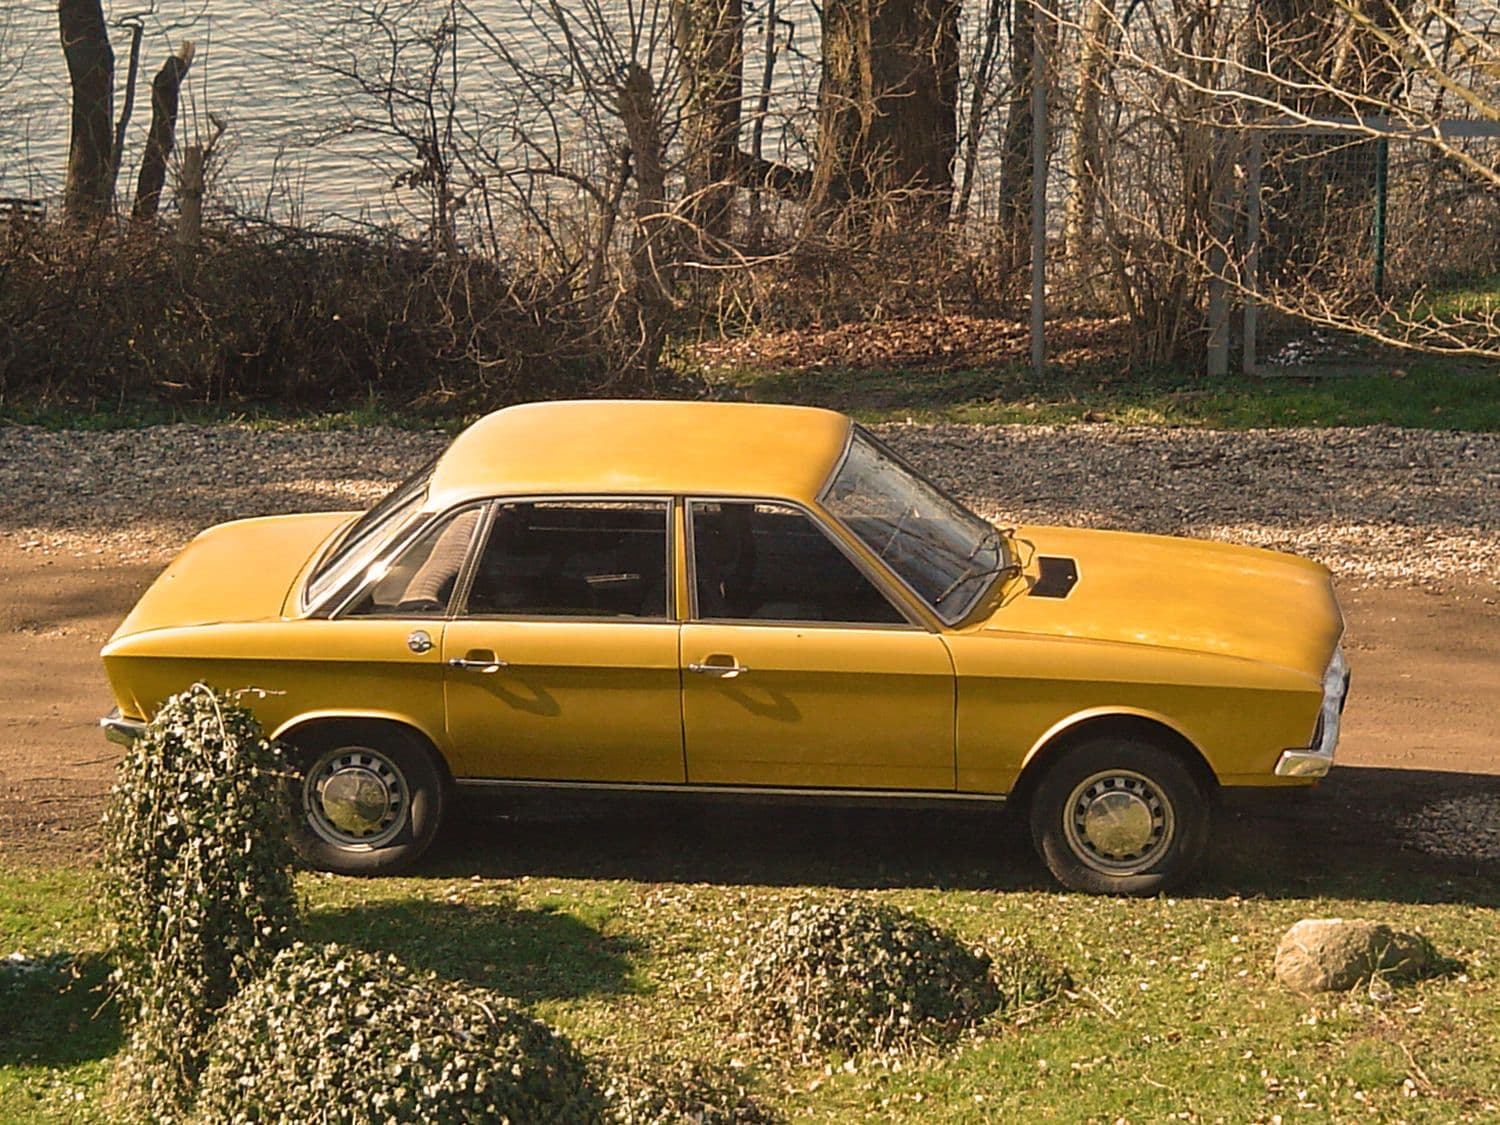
x=91, y=71
x=887, y=103
x=1086, y=161
x=1014, y=192
x=710, y=38
x=165, y=88
x=1327, y=87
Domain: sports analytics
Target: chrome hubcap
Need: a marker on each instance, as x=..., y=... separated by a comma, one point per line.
x=355, y=796
x=1118, y=822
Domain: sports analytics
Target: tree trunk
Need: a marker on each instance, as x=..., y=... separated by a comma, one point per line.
x=710, y=40
x=650, y=251
x=887, y=104
x=91, y=72
x=1015, y=153
x=117, y=149
x=163, y=136
x=190, y=197
x=978, y=104
x=1086, y=162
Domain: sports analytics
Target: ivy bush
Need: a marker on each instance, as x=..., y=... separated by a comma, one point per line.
x=336, y=1035
x=664, y=1091
x=856, y=976
x=1026, y=976
x=197, y=886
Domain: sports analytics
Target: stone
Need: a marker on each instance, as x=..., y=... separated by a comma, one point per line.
x=1336, y=954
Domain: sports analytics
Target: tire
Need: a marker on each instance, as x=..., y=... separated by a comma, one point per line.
x=1120, y=817
x=386, y=804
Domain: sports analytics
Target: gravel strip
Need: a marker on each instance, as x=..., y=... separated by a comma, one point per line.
x=1378, y=505
x=1467, y=827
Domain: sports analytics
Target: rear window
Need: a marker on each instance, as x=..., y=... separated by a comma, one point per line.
x=363, y=538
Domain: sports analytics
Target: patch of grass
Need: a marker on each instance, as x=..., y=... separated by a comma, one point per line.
x=627, y=934
x=261, y=416
x=58, y=1028
x=1468, y=298
x=1428, y=394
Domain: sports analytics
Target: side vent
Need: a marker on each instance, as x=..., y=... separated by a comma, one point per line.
x=1056, y=577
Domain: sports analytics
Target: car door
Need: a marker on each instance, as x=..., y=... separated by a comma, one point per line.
x=798, y=672
x=561, y=663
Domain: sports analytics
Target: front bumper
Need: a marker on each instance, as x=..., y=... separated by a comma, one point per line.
x=1317, y=760
x=119, y=729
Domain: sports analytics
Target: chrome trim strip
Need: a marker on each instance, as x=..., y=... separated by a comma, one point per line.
x=121, y=730
x=483, y=783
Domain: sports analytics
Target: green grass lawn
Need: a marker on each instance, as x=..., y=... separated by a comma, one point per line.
x=1427, y=395
x=626, y=932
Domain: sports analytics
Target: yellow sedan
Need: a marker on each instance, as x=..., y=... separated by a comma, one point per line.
x=731, y=599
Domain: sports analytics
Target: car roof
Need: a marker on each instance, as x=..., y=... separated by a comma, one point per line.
x=607, y=447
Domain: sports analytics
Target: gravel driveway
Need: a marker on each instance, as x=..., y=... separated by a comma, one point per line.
x=1378, y=505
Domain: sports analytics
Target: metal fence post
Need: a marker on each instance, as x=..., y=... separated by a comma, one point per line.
x=1382, y=163
x=1253, y=160
x=1039, y=191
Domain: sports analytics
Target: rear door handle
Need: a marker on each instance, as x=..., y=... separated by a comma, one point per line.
x=722, y=671
x=478, y=660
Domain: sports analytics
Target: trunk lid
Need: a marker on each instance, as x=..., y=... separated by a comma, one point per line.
x=240, y=571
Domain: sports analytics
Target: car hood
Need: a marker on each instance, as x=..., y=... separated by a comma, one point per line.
x=1183, y=594
x=239, y=571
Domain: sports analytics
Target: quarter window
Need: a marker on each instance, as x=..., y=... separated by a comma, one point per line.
x=574, y=559
x=771, y=562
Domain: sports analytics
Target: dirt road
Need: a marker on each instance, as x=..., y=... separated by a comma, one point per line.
x=1422, y=726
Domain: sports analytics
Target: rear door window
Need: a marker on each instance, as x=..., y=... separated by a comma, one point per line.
x=575, y=558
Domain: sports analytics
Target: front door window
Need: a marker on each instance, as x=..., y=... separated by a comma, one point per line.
x=771, y=562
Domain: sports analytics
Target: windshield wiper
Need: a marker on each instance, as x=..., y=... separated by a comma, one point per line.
x=970, y=571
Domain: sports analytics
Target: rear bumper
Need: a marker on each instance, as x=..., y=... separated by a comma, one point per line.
x=119, y=729
x=1317, y=760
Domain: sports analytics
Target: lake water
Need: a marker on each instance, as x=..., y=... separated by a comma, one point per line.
x=252, y=71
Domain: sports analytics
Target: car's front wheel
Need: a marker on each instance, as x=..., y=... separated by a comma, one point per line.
x=365, y=798
x=1118, y=816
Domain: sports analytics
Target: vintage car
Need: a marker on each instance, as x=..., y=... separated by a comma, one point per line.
x=737, y=599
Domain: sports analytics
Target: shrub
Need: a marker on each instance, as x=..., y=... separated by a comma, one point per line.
x=856, y=976
x=658, y=1091
x=104, y=321
x=197, y=882
x=1026, y=976
x=332, y=1034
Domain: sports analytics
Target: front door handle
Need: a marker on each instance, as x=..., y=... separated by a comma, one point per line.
x=716, y=666
x=477, y=660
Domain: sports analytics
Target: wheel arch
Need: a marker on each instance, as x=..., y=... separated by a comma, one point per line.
x=326, y=720
x=1089, y=726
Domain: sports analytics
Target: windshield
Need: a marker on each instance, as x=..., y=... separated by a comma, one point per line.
x=366, y=535
x=943, y=551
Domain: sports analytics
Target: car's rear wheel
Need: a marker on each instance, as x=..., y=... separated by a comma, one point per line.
x=365, y=798
x=1118, y=816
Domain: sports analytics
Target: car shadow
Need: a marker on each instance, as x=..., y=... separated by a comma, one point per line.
x=529, y=954
x=1342, y=839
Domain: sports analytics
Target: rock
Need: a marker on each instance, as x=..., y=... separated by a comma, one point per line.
x=1335, y=954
